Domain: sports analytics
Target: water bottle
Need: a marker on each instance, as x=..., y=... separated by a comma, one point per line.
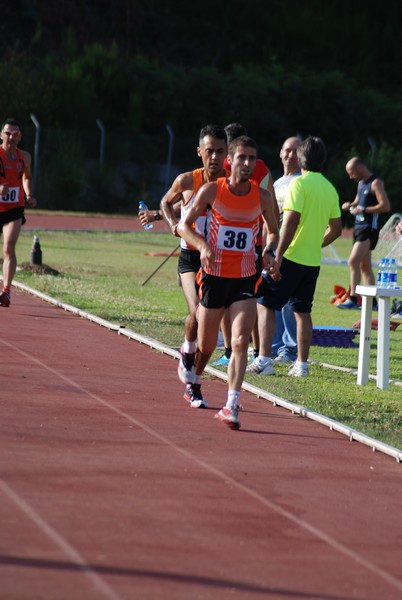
x=379, y=272
x=385, y=273
x=393, y=274
x=141, y=207
x=36, y=252
x=360, y=216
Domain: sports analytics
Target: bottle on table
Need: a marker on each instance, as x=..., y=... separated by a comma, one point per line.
x=393, y=274
x=385, y=274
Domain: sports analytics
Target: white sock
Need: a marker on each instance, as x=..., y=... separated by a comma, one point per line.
x=263, y=360
x=299, y=363
x=233, y=398
x=189, y=347
x=197, y=379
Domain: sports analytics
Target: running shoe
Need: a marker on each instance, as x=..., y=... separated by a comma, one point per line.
x=186, y=370
x=194, y=396
x=261, y=368
x=5, y=299
x=229, y=416
x=297, y=370
x=223, y=361
x=349, y=305
x=283, y=359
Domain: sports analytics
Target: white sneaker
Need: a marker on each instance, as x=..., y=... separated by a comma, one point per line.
x=283, y=359
x=260, y=368
x=297, y=370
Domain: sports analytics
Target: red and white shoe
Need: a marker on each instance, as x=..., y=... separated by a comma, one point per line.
x=194, y=396
x=229, y=416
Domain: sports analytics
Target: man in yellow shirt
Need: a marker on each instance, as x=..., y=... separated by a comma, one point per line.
x=311, y=220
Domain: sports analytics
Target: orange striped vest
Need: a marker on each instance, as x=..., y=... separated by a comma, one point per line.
x=11, y=172
x=232, y=228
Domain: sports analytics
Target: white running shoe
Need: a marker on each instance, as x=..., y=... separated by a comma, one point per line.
x=297, y=370
x=194, y=396
x=259, y=368
x=229, y=416
x=283, y=359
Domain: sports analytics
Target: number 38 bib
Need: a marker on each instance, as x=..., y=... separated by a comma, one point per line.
x=238, y=239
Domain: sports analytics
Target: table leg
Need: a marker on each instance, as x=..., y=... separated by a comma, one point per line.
x=383, y=343
x=365, y=339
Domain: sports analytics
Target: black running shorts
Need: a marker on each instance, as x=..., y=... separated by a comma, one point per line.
x=297, y=287
x=219, y=292
x=363, y=234
x=189, y=261
x=12, y=215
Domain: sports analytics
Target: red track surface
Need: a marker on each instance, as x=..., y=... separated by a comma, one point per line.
x=112, y=487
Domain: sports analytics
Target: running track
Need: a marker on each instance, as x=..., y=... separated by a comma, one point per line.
x=112, y=487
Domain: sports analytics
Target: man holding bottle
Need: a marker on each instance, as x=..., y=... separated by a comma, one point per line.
x=371, y=200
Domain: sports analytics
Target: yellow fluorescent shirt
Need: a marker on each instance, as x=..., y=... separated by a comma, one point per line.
x=317, y=201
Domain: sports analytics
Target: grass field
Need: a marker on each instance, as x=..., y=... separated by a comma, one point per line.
x=103, y=274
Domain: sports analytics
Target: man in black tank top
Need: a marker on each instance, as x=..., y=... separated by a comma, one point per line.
x=371, y=200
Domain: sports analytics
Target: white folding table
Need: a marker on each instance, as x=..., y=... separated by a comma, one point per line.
x=384, y=295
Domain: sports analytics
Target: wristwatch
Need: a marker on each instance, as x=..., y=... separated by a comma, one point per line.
x=158, y=216
x=271, y=252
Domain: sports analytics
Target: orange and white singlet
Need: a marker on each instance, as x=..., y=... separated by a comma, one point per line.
x=11, y=172
x=199, y=225
x=232, y=228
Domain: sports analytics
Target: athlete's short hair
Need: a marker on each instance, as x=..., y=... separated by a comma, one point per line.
x=11, y=121
x=215, y=131
x=241, y=140
x=312, y=154
x=234, y=130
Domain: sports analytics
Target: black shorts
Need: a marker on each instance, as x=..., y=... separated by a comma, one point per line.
x=12, y=215
x=297, y=287
x=219, y=292
x=365, y=233
x=189, y=261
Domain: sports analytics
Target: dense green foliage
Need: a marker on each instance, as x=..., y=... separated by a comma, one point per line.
x=328, y=69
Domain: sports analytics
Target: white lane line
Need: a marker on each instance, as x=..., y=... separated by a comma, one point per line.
x=333, y=543
x=101, y=586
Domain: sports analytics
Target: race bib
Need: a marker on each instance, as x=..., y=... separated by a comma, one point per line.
x=237, y=239
x=11, y=197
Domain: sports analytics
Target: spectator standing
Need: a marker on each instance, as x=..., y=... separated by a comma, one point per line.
x=311, y=220
x=371, y=200
x=284, y=345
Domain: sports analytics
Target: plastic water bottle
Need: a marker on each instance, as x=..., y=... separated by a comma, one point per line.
x=393, y=274
x=141, y=207
x=360, y=218
x=379, y=272
x=385, y=274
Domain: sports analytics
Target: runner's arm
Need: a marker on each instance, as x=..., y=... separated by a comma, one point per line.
x=169, y=202
x=27, y=182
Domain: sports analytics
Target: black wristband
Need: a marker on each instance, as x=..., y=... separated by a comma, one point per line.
x=271, y=252
x=157, y=216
